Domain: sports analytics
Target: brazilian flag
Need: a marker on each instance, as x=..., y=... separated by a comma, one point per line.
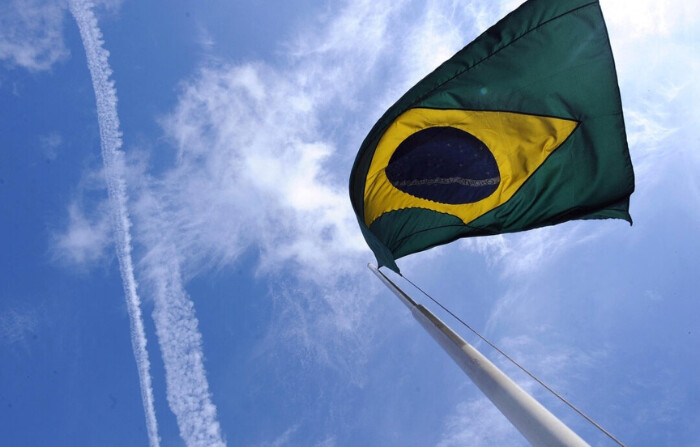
x=520, y=129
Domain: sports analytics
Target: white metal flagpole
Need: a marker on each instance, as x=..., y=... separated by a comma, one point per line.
x=528, y=416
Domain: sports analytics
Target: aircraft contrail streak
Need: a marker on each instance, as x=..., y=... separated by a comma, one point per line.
x=113, y=160
x=175, y=320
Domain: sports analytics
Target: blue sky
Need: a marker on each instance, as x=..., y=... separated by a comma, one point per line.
x=218, y=293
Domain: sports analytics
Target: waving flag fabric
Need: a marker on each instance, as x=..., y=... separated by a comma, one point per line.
x=520, y=129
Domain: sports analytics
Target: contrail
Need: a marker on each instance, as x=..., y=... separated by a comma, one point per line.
x=181, y=346
x=113, y=159
x=176, y=324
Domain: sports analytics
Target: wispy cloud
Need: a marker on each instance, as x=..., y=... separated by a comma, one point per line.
x=16, y=325
x=478, y=423
x=328, y=442
x=255, y=169
x=520, y=254
x=558, y=364
x=112, y=156
x=263, y=154
x=84, y=240
x=660, y=102
x=31, y=34
x=50, y=143
x=263, y=151
x=653, y=18
x=284, y=438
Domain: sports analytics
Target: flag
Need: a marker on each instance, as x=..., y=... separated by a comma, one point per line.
x=520, y=129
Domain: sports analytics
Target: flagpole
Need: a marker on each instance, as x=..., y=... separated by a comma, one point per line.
x=528, y=416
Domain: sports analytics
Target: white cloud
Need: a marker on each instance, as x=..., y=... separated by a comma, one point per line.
x=31, y=33
x=85, y=239
x=254, y=170
x=258, y=149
